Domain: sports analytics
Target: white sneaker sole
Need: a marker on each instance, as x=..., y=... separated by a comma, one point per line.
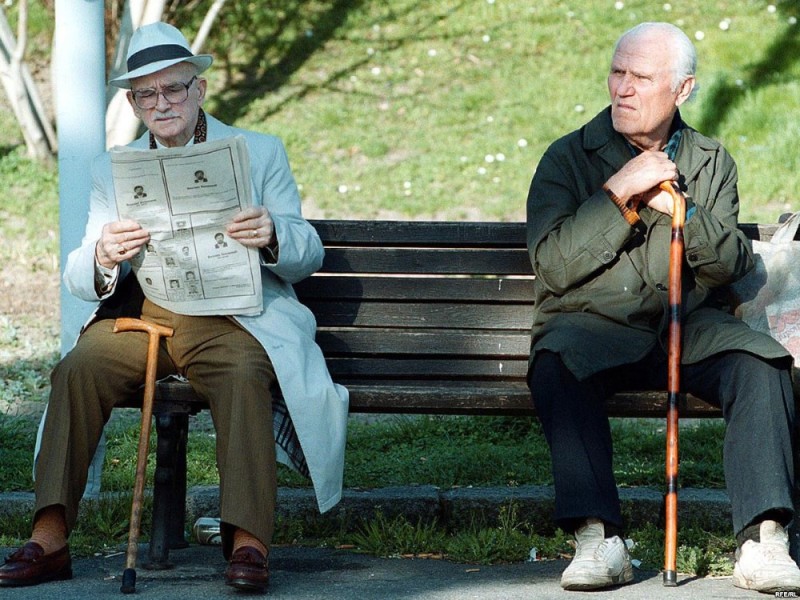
x=766, y=588
x=580, y=583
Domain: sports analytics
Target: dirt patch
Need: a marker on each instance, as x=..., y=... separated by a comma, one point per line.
x=32, y=294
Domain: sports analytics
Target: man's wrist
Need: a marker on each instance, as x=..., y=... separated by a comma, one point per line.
x=270, y=251
x=628, y=209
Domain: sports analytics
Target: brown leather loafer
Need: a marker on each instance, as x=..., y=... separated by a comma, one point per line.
x=30, y=566
x=248, y=570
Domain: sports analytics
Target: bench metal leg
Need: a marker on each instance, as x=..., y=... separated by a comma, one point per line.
x=176, y=524
x=169, y=490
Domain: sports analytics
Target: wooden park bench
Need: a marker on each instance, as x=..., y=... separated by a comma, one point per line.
x=413, y=317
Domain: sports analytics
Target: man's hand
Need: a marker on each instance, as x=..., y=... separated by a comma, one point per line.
x=253, y=228
x=119, y=241
x=638, y=181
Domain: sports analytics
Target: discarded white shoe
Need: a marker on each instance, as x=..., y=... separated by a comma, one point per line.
x=599, y=562
x=766, y=566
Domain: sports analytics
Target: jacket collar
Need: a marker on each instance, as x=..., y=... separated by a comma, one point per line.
x=694, y=151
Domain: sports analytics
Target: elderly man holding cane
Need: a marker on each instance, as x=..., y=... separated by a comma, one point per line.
x=598, y=236
x=233, y=362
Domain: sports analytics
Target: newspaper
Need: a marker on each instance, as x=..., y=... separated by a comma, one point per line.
x=184, y=197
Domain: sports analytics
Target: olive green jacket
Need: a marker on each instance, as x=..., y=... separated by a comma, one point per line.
x=601, y=284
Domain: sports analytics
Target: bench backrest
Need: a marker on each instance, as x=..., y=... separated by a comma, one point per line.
x=407, y=311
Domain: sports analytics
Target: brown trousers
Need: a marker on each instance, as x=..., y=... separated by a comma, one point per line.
x=225, y=365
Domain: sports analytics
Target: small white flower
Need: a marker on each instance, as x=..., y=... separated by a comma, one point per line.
x=432, y=52
x=370, y=51
x=792, y=20
x=376, y=70
x=570, y=14
x=499, y=157
x=739, y=82
x=725, y=24
x=699, y=35
x=667, y=6
x=619, y=5
x=486, y=38
x=407, y=185
x=481, y=170
x=579, y=108
x=489, y=1
x=490, y=119
x=342, y=188
x=489, y=158
x=771, y=8
x=495, y=180
x=463, y=159
x=522, y=142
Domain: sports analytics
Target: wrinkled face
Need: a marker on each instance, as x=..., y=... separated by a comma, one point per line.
x=173, y=124
x=643, y=102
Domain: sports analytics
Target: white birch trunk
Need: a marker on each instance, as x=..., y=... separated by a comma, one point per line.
x=37, y=130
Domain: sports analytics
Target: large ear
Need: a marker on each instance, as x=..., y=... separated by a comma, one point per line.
x=685, y=90
x=201, y=89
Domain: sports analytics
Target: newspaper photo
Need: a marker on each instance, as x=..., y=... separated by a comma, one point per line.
x=184, y=197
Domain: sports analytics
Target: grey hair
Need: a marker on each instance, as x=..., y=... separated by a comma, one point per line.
x=685, y=58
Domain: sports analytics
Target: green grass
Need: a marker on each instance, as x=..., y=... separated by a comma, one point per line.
x=420, y=110
x=437, y=450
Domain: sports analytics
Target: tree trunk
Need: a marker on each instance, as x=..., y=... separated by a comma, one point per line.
x=22, y=92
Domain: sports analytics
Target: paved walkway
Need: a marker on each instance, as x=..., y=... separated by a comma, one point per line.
x=313, y=573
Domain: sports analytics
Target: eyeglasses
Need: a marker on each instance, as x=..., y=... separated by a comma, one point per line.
x=174, y=93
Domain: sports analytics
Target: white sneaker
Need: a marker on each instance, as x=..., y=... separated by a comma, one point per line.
x=599, y=562
x=766, y=566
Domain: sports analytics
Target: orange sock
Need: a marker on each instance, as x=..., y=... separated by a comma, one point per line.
x=50, y=529
x=245, y=538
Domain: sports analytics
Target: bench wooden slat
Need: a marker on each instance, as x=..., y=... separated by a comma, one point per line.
x=428, y=260
x=464, y=234
x=420, y=233
x=435, y=342
x=421, y=288
x=353, y=368
x=507, y=399
x=418, y=315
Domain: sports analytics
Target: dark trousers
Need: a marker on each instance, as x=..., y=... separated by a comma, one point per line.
x=756, y=401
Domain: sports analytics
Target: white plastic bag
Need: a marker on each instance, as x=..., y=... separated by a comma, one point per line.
x=768, y=298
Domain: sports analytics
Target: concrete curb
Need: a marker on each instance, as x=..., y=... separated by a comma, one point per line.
x=453, y=508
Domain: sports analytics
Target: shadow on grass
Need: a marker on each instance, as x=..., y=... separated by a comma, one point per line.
x=776, y=62
x=312, y=31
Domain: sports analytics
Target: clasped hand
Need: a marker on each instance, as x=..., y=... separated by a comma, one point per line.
x=638, y=181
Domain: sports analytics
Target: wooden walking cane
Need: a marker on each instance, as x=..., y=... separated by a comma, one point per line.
x=673, y=381
x=155, y=332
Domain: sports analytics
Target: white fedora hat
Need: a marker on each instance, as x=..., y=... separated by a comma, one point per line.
x=157, y=46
